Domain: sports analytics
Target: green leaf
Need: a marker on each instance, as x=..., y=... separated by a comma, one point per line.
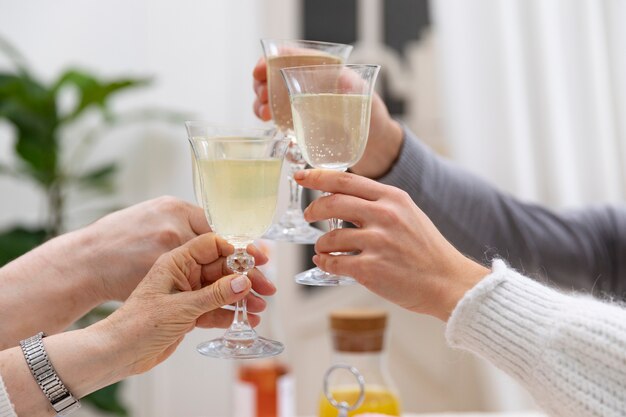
x=93, y=91
x=17, y=241
x=100, y=178
x=107, y=399
x=31, y=108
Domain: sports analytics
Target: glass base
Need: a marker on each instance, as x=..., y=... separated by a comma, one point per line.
x=222, y=348
x=319, y=278
x=293, y=228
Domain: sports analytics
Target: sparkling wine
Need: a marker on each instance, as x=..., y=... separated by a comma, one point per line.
x=241, y=196
x=331, y=129
x=278, y=94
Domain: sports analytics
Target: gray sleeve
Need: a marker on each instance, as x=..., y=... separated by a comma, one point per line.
x=582, y=249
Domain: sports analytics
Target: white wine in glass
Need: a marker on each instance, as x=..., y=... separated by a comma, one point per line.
x=279, y=54
x=239, y=174
x=333, y=128
x=331, y=107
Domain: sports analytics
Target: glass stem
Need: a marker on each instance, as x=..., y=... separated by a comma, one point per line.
x=295, y=189
x=333, y=223
x=240, y=321
x=240, y=262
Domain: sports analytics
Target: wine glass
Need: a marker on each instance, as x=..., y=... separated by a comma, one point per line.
x=279, y=54
x=239, y=172
x=331, y=107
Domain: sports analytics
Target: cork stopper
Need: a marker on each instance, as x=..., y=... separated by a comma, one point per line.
x=358, y=330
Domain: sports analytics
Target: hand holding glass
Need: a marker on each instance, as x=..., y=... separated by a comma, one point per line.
x=331, y=107
x=239, y=172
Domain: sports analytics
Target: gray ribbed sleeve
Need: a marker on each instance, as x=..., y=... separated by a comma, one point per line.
x=569, y=352
x=6, y=408
x=583, y=249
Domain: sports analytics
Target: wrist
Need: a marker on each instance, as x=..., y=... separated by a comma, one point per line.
x=463, y=279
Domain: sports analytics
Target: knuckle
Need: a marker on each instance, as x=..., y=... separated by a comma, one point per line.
x=168, y=203
x=168, y=237
x=344, y=180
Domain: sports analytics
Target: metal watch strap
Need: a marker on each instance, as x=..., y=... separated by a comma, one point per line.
x=62, y=401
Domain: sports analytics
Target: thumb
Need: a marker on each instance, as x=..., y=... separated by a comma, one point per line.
x=224, y=291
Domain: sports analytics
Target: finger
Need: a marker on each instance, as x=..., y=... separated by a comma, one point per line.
x=219, y=268
x=260, y=258
x=260, y=283
x=262, y=111
x=255, y=304
x=261, y=92
x=260, y=70
x=342, y=240
x=222, y=292
x=206, y=248
x=341, y=182
x=341, y=206
x=197, y=219
x=222, y=318
x=348, y=265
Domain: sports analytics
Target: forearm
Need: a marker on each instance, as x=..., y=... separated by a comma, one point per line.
x=567, y=351
x=85, y=360
x=572, y=249
x=46, y=289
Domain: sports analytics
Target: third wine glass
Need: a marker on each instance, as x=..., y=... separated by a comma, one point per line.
x=279, y=54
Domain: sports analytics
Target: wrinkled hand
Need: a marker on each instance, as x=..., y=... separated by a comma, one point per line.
x=401, y=255
x=126, y=243
x=385, y=134
x=185, y=288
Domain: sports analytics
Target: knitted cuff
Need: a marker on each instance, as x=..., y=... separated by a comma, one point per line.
x=506, y=318
x=6, y=408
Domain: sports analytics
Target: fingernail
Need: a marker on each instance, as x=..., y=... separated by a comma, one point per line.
x=316, y=259
x=239, y=284
x=300, y=175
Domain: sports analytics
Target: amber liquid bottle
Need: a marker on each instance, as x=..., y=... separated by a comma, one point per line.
x=358, y=340
x=264, y=388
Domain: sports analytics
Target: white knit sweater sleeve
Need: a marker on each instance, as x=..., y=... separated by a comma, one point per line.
x=569, y=352
x=6, y=408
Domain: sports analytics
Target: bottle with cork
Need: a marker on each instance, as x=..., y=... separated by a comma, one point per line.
x=358, y=341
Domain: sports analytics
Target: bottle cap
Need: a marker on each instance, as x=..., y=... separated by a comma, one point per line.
x=358, y=330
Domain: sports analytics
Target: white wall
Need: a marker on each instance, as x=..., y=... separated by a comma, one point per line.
x=200, y=55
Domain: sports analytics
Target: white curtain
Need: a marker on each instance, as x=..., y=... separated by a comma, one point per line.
x=534, y=94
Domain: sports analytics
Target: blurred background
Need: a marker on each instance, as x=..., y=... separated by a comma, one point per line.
x=530, y=94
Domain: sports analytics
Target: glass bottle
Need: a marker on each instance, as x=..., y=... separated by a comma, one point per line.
x=358, y=341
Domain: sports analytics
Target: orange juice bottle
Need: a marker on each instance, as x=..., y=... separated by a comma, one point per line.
x=358, y=341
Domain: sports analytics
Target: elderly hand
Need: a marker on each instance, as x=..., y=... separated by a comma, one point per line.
x=184, y=289
x=401, y=255
x=385, y=134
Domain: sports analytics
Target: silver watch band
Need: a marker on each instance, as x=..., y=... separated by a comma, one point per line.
x=62, y=401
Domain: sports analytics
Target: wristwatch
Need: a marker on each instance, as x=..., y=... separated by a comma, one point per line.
x=62, y=401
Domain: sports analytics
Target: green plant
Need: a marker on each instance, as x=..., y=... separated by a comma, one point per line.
x=31, y=108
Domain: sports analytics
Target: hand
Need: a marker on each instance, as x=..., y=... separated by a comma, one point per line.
x=184, y=289
x=401, y=255
x=385, y=134
x=126, y=243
